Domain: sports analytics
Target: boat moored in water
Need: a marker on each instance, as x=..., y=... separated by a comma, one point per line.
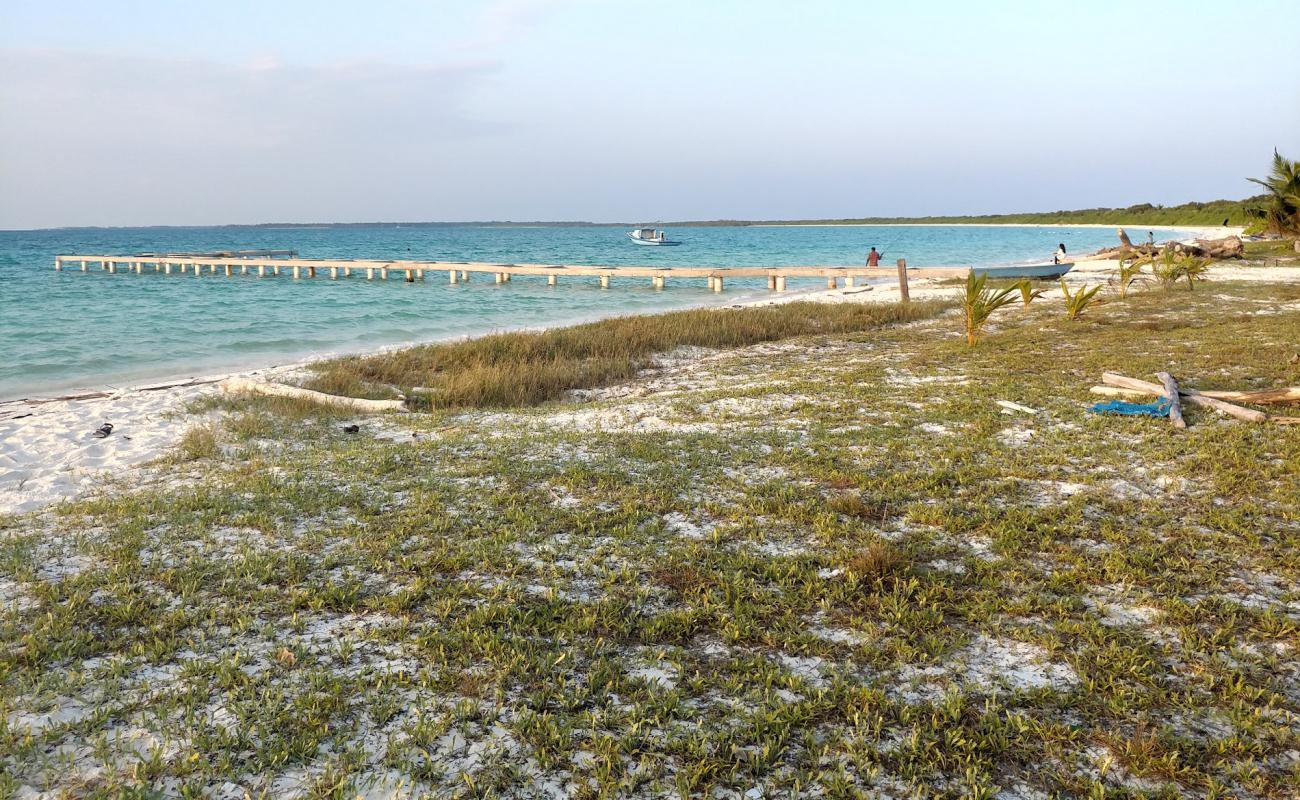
x=651, y=236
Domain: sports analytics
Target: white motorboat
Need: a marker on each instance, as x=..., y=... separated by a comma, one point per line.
x=651, y=236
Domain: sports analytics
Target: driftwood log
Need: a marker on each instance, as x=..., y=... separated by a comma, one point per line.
x=1125, y=244
x=1171, y=394
x=1193, y=396
x=1264, y=397
x=238, y=385
x=1228, y=247
x=1115, y=391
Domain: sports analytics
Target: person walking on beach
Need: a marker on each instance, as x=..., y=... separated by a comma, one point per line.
x=873, y=258
x=1059, y=258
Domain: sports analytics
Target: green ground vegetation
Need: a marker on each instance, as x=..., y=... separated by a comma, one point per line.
x=1273, y=252
x=1280, y=210
x=827, y=566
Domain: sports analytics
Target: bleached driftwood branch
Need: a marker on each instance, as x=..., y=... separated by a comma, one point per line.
x=1193, y=396
x=1262, y=397
x=1171, y=394
x=239, y=385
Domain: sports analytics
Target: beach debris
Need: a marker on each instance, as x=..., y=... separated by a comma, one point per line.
x=1227, y=247
x=1115, y=391
x=238, y=385
x=1192, y=396
x=103, y=431
x=1263, y=397
x=1159, y=408
x=1171, y=394
x=1012, y=407
x=353, y=428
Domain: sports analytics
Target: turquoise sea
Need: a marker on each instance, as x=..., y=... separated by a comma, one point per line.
x=64, y=331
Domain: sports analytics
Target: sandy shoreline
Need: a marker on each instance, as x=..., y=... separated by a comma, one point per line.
x=48, y=454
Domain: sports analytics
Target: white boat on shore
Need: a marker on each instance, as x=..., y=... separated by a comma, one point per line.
x=651, y=236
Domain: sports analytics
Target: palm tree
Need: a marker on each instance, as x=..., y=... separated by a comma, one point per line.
x=1282, y=213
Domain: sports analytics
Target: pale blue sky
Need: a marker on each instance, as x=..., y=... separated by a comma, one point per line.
x=197, y=113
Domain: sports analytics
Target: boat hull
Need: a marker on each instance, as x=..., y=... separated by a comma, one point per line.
x=653, y=242
x=1046, y=272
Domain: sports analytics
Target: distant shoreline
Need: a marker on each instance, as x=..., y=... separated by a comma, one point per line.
x=1134, y=224
x=1187, y=216
x=1227, y=230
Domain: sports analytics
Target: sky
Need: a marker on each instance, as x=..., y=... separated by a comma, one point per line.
x=243, y=111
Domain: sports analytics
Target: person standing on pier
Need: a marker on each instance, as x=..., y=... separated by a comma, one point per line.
x=873, y=258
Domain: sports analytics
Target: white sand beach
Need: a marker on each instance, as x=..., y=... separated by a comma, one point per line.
x=48, y=453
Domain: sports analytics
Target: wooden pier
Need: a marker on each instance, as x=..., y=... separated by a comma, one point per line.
x=461, y=271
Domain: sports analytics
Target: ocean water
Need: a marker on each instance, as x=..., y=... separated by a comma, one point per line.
x=65, y=331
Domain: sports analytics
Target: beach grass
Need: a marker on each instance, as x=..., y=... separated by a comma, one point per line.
x=527, y=368
x=828, y=566
x=1281, y=251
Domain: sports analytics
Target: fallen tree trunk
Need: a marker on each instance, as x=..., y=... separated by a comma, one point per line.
x=248, y=386
x=1228, y=247
x=1171, y=394
x=1193, y=396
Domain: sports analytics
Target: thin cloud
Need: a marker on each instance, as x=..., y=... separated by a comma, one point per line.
x=504, y=21
x=83, y=128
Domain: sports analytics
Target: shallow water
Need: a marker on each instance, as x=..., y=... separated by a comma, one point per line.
x=61, y=331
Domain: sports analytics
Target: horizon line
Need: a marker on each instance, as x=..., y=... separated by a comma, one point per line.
x=721, y=221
